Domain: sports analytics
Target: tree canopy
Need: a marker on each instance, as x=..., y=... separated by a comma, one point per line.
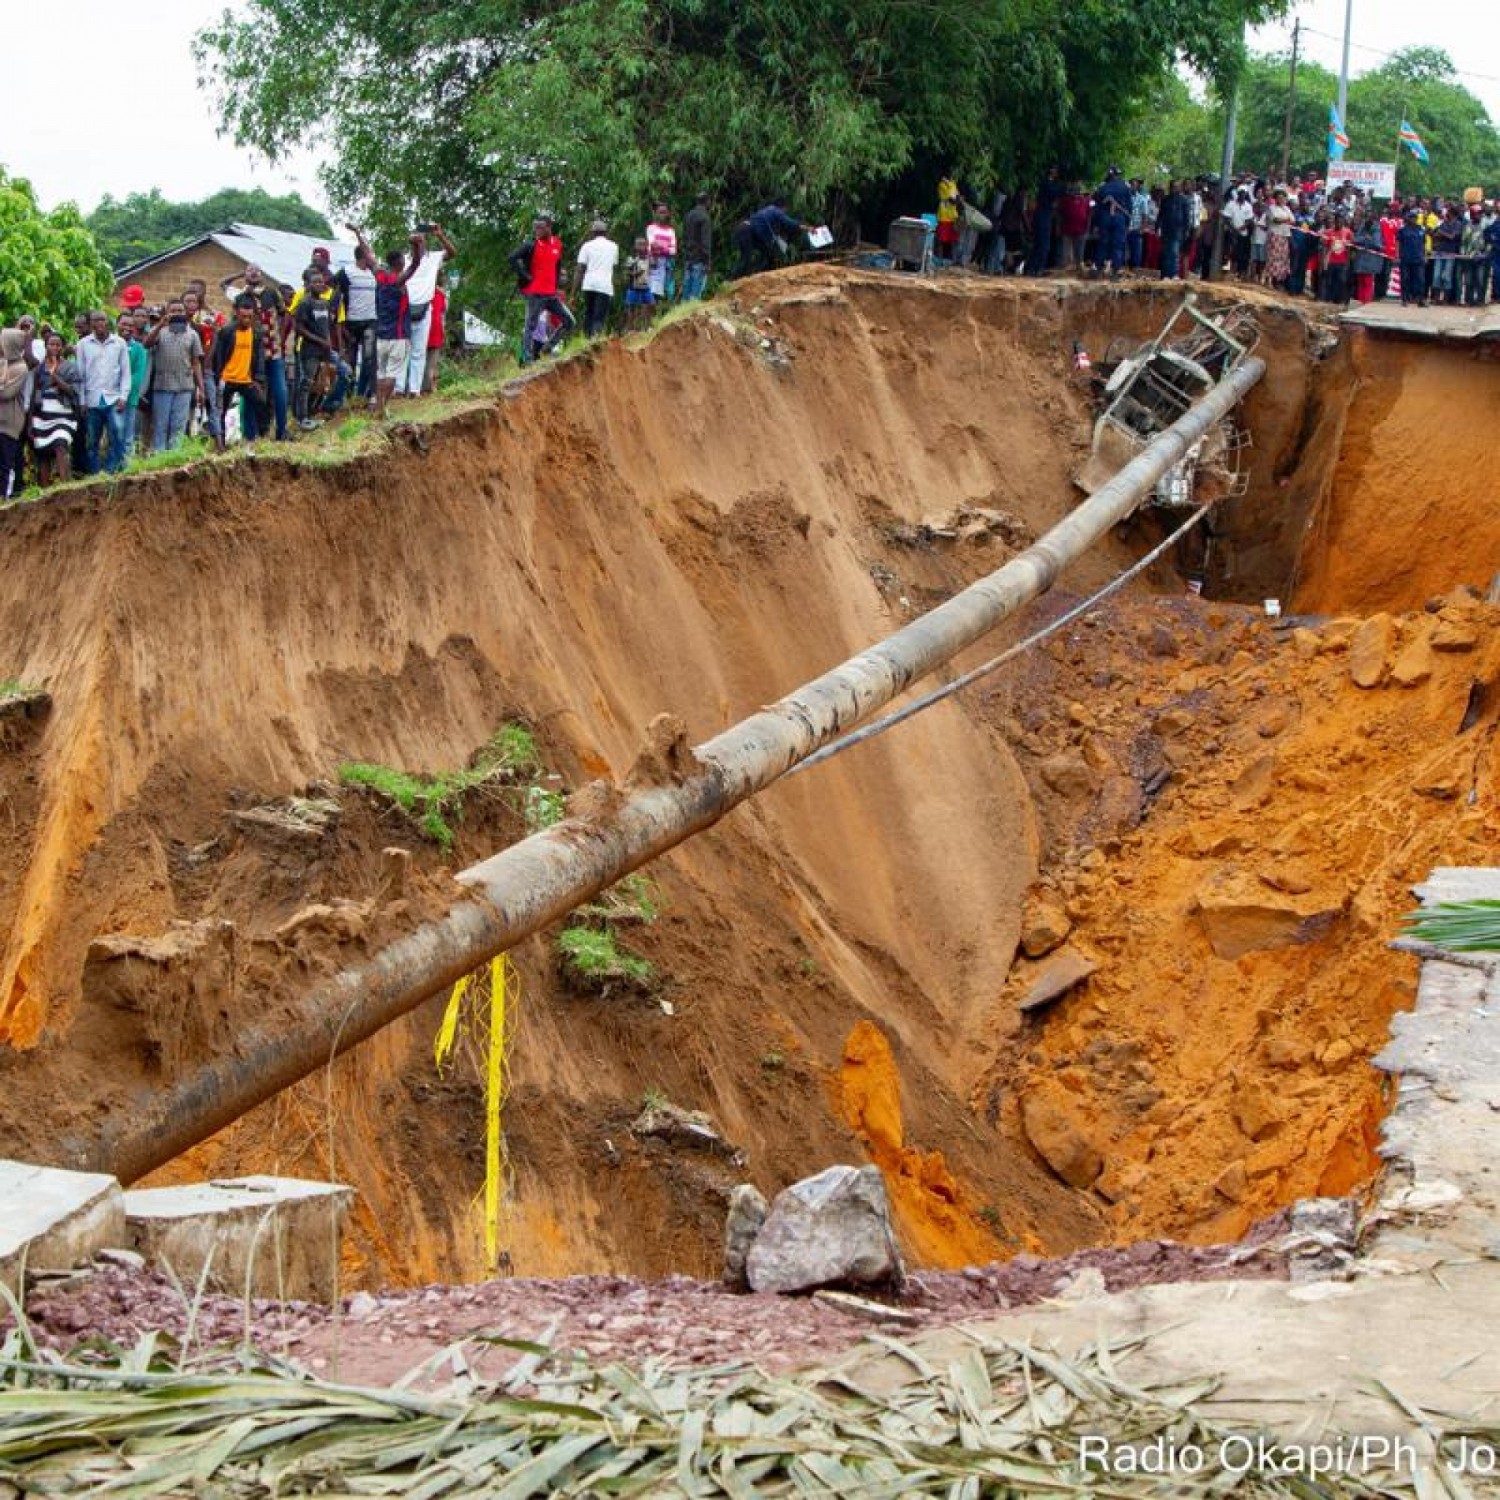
x=1419, y=84
x=49, y=264
x=479, y=112
x=145, y=224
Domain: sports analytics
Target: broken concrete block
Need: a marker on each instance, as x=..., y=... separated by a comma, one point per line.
x=825, y=1230
x=277, y=1235
x=747, y=1213
x=1058, y=1140
x=52, y=1220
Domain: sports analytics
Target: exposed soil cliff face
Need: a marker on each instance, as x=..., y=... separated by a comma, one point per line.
x=697, y=526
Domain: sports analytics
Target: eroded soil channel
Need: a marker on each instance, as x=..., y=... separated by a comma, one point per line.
x=1220, y=812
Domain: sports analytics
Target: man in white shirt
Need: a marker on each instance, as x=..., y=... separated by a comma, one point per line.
x=419, y=292
x=103, y=392
x=598, y=256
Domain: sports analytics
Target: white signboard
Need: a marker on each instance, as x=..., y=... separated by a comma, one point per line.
x=1376, y=179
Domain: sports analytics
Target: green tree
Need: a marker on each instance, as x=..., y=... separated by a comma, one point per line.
x=1421, y=85
x=146, y=224
x=598, y=106
x=49, y=264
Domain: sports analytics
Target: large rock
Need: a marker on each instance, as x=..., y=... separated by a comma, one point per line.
x=1059, y=1141
x=1063, y=971
x=747, y=1214
x=1044, y=924
x=825, y=1230
x=1239, y=916
x=1371, y=650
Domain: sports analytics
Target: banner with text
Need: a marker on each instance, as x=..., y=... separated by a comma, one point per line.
x=1376, y=179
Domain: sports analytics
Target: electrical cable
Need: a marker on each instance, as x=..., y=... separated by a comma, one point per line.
x=900, y=715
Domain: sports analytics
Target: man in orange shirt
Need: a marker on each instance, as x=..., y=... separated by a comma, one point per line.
x=239, y=369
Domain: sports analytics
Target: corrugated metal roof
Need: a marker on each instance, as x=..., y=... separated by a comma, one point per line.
x=282, y=255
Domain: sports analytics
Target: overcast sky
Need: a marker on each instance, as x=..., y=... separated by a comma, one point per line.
x=162, y=131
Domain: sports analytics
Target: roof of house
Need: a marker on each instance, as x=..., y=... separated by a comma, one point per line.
x=282, y=255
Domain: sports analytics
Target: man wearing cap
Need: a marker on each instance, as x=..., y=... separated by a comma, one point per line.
x=1411, y=246
x=1111, y=222
x=598, y=256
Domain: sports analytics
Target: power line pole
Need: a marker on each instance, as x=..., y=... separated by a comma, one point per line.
x=1291, y=103
x=1344, y=68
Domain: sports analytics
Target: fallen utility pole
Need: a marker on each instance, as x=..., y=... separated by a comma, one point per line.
x=541, y=878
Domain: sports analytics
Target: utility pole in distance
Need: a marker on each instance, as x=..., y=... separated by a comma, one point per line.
x=1291, y=103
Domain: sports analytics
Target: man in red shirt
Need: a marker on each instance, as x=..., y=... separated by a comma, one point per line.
x=536, y=266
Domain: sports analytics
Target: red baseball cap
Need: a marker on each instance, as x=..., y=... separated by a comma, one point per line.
x=132, y=296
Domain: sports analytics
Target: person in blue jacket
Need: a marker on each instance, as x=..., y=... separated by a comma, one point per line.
x=755, y=239
x=1111, y=223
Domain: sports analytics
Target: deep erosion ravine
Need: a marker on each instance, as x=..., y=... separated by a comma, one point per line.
x=1218, y=811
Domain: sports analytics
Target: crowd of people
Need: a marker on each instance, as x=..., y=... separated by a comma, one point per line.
x=1307, y=237
x=280, y=358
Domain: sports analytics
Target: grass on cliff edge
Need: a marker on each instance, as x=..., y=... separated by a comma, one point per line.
x=468, y=381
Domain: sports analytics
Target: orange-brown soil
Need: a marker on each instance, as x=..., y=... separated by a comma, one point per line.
x=697, y=526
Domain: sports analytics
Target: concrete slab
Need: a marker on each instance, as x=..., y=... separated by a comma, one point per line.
x=271, y=1236
x=1460, y=324
x=51, y=1220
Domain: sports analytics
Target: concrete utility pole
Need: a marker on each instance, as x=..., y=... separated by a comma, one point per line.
x=534, y=882
x=1344, y=67
x=1291, y=104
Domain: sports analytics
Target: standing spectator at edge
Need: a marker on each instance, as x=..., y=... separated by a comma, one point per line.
x=54, y=412
x=598, y=256
x=140, y=363
x=104, y=374
x=1447, y=242
x=1475, y=256
x=1140, y=213
x=661, y=243
x=1390, y=227
x=697, y=250
x=1113, y=202
x=1367, y=258
x=437, y=335
x=392, y=316
x=1174, y=223
x=357, y=287
x=179, y=376
x=1411, y=246
x=1073, y=222
x=756, y=239
x=1337, y=241
x=15, y=397
x=638, y=299
x=203, y=323
x=1279, y=240
x=238, y=367
x=316, y=324
x=271, y=309
x=536, y=264
x=419, y=292
x=1492, y=241
x=1047, y=197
